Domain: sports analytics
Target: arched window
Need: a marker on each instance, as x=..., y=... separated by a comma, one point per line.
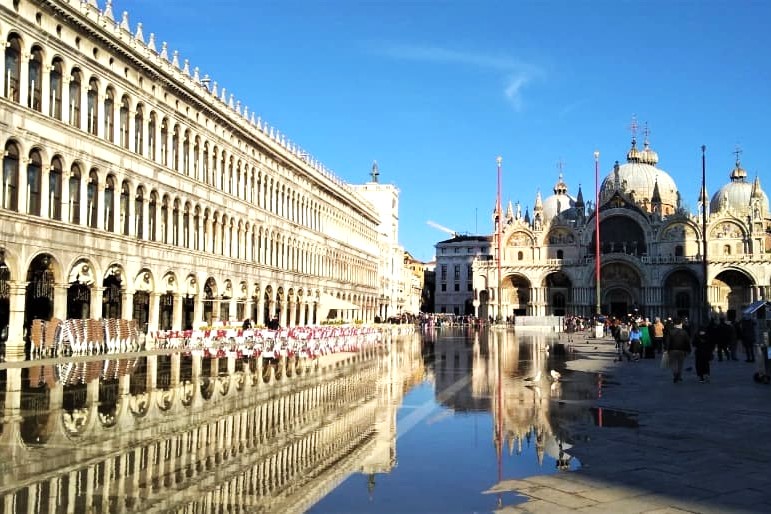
x=35, y=80
x=186, y=226
x=175, y=224
x=196, y=228
x=34, y=183
x=726, y=249
x=92, y=199
x=124, y=122
x=12, y=67
x=175, y=148
x=55, y=190
x=164, y=141
x=74, y=102
x=125, y=217
x=151, y=145
x=109, y=204
x=205, y=164
x=10, y=199
x=139, y=213
x=55, y=90
x=165, y=220
x=92, y=100
x=73, y=202
x=152, y=211
x=139, y=130
x=186, y=153
x=109, y=115
x=560, y=254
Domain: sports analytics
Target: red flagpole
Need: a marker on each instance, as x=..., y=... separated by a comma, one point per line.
x=597, y=230
x=499, y=160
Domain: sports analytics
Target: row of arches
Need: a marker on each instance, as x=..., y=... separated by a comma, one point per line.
x=99, y=199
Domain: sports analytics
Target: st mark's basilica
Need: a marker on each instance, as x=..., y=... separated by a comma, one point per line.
x=651, y=248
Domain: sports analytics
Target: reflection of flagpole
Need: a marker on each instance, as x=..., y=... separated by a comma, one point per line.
x=499, y=402
x=597, y=231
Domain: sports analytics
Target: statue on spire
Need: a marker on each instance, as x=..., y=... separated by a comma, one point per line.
x=375, y=173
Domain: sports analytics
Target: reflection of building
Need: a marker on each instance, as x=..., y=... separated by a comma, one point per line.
x=135, y=188
x=651, y=248
x=454, y=289
x=414, y=280
x=173, y=432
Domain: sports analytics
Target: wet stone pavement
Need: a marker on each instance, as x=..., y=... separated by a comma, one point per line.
x=657, y=447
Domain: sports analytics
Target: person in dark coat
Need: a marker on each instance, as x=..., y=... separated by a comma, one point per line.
x=748, y=338
x=726, y=336
x=704, y=346
x=678, y=346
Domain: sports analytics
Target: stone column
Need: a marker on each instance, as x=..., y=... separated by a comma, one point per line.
x=154, y=315
x=60, y=301
x=97, y=294
x=127, y=304
x=14, y=346
x=176, y=313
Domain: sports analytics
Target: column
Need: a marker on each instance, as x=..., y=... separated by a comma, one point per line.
x=176, y=313
x=152, y=321
x=14, y=349
x=23, y=79
x=97, y=295
x=84, y=106
x=100, y=214
x=146, y=219
x=60, y=301
x=127, y=304
x=131, y=127
x=45, y=88
x=198, y=310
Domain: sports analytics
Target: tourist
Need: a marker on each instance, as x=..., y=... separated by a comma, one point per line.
x=635, y=343
x=678, y=345
x=704, y=346
x=748, y=338
x=658, y=335
x=647, y=342
x=725, y=336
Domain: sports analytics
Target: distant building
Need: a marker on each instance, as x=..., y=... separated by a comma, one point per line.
x=454, y=289
x=414, y=273
x=651, y=249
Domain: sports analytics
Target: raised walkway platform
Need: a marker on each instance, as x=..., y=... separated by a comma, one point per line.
x=698, y=448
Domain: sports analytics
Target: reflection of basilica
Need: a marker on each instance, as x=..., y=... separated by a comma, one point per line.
x=191, y=434
x=650, y=245
x=488, y=373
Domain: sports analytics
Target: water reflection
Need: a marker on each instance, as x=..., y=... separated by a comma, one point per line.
x=187, y=433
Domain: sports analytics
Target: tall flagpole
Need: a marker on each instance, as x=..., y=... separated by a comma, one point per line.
x=597, y=232
x=499, y=160
x=704, y=230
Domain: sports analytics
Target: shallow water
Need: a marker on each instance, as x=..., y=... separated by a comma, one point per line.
x=428, y=423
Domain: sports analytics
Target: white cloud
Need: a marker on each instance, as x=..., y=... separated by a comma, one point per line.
x=518, y=73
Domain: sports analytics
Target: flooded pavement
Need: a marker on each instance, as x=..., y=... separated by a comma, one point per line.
x=425, y=423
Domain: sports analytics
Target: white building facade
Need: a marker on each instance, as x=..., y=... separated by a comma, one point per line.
x=454, y=293
x=134, y=188
x=652, y=259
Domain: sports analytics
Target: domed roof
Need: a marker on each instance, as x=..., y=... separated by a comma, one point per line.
x=738, y=195
x=559, y=202
x=639, y=177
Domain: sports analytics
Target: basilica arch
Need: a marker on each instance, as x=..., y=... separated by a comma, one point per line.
x=729, y=291
x=620, y=234
x=621, y=287
x=558, y=287
x=515, y=295
x=681, y=295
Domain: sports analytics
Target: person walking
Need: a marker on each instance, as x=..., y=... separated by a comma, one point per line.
x=657, y=330
x=704, y=346
x=748, y=338
x=678, y=346
x=635, y=341
x=726, y=335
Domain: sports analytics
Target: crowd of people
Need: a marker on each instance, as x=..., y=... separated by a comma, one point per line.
x=674, y=339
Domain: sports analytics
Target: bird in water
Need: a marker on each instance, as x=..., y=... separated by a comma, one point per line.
x=555, y=375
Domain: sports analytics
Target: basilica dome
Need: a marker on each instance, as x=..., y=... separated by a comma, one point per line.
x=739, y=195
x=641, y=179
x=559, y=202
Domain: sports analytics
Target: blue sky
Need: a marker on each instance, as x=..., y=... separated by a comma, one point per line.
x=435, y=90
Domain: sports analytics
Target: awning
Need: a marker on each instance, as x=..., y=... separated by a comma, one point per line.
x=330, y=302
x=754, y=306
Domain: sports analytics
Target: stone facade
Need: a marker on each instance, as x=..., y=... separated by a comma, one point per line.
x=135, y=188
x=651, y=249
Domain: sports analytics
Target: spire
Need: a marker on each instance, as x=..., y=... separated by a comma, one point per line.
x=527, y=215
x=633, y=155
x=509, y=211
x=538, y=207
x=580, y=198
x=738, y=174
x=560, y=188
x=375, y=173
x=648, y=156
x=656, y=197
x=757, y=192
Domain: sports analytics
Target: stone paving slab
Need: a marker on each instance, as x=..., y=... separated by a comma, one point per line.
x=699, y=448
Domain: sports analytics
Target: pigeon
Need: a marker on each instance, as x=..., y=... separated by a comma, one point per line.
x=555, y=375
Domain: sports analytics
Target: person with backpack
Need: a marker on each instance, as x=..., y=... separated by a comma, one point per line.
x=678, y=347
